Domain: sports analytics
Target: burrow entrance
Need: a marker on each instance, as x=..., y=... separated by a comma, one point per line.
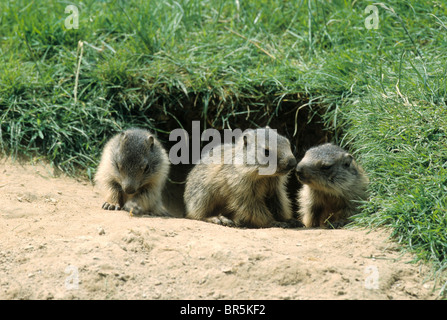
x=293, y=118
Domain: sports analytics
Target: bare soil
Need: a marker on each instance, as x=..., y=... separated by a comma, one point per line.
x=57, y=243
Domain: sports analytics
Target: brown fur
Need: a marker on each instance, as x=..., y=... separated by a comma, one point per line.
x=332, y=183
x=132, y=173
x=236, y=194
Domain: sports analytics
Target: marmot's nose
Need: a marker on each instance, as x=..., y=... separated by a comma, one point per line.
x=291, y=163
x=129, y=190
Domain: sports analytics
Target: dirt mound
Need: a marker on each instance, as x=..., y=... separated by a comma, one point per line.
x=56, y=243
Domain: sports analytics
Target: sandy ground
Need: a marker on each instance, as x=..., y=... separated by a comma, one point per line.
x=57, y=243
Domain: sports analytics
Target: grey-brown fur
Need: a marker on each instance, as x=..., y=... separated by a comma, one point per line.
x=132, y=173
x=236, y=194
x=332, y=182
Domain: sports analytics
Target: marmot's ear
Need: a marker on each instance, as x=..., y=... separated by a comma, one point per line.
x=150, y=141
x=347, y=159
x=123, y=136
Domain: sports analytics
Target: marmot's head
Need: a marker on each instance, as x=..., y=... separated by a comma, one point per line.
x=266, y=151
x=136, y=159
x=328, y=168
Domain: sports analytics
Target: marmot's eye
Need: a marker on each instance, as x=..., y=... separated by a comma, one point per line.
x=147, y=168
x=326, y=167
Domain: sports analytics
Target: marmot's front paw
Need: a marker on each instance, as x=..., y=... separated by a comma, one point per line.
x=161, y=213
x=294, y=223
x=109, y=206
x=220, y=219
x=133, y=208
x=291, y=223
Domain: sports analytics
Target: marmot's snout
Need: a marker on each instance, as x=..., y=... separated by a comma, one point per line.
x=129, y=185
x=300, y=173
x=286, y=165
x=291, y=164
x=129, y=189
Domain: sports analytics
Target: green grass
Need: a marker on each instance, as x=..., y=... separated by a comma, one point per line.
x=404, y=148
x=159, y=64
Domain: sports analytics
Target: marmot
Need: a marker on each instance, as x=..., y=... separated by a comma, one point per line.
x=332, y=182
x=132, y=173
x=238, y=193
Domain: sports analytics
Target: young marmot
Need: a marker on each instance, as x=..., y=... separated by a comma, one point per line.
x=238, y=192
x=332, y=182
x=132, y=173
